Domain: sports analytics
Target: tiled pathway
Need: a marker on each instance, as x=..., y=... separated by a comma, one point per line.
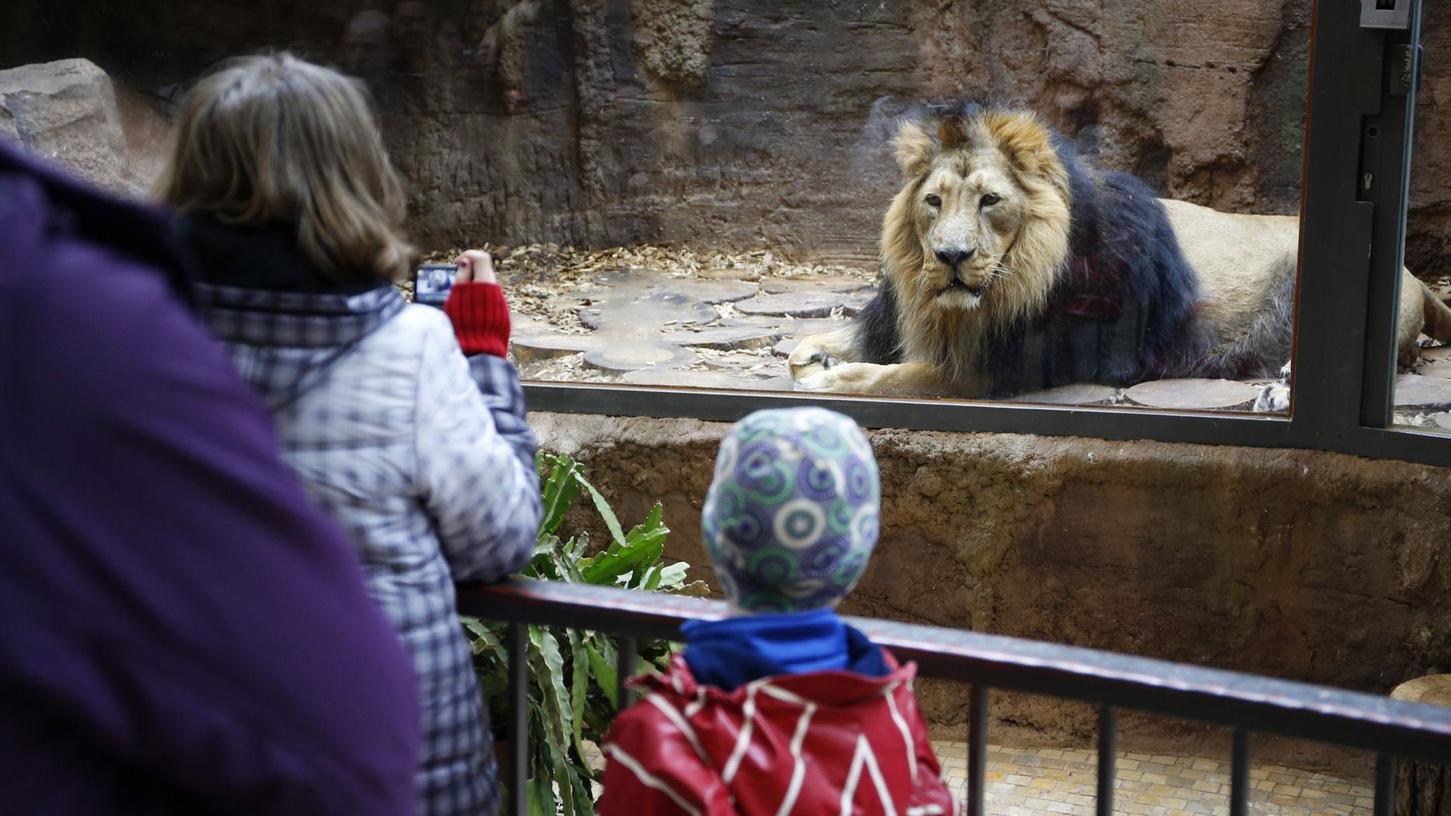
x=1025, y=781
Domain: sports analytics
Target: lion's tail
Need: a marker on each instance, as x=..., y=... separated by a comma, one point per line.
x=1437, y=315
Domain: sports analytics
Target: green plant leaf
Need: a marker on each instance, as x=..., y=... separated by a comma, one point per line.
x=558, y=491
x=482, y=639
x=547, y=666
x=638, y=551
x=602, y=665
x=603, y=508
x=578, y=688
x=541, y=797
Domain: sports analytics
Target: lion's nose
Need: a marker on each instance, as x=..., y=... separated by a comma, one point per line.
x=954, y=257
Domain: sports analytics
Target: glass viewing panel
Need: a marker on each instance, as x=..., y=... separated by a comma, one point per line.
x=769, y=195
x=1422, y=391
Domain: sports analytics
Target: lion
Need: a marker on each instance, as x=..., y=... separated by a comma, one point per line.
x=1008, y=264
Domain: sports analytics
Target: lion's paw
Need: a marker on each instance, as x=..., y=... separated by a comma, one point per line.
x=808, y=362
x=1273, y=399
x=841, y=378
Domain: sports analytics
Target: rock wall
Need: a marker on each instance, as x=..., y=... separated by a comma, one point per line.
x=1304, y=565
x=751, y=123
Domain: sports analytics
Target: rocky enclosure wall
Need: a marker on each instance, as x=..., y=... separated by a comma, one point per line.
x=1304, y=565
x=762, y=122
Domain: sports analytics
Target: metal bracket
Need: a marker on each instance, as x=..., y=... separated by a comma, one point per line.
x=1394, y=14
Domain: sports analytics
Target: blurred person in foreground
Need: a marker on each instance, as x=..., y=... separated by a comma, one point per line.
x=406, y=424
x=180, y=630
x=782, y=707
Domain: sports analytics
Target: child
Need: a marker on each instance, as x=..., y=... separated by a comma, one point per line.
x=421, y=454
x=781, y=708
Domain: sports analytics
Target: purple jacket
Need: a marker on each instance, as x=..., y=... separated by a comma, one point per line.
x=179, y=630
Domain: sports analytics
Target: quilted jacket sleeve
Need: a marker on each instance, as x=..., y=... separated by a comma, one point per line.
x=651, y=770
x=475, y=460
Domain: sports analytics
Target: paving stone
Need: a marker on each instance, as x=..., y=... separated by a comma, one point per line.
x=533, y=348
x=1020, y=781
x=1078, y=394
x=810, y=326
x=725, y=338
x=1438, y=368
x=1437, y=354
x=631, y=311
x=1442, y=421
x=776, y=286
x=795, y=304
x=630, y=355
x=1421, y=392
x=711, y=291
x=683, y=378
x=1192, y=394
x=785, y=347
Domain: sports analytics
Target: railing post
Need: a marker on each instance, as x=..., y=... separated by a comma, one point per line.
x=1107, y=755
x=518, y=771
x=629, y=656
x=1385, y=785
x=1239, y=774
x=977, y=751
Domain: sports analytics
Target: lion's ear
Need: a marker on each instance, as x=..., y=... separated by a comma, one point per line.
x=915, y=149
x=1028, y=144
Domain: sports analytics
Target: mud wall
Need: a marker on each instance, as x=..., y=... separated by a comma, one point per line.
x=1304, y=565
x=761, y=122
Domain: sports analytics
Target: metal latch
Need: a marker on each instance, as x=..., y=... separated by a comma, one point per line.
x=1385, y=14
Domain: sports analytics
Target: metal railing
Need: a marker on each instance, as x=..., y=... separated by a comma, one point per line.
x=1246, y=704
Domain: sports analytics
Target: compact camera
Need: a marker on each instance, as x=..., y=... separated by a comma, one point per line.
x=432, y=282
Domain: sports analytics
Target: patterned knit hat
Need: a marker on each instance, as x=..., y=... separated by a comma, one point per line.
x=791, y=516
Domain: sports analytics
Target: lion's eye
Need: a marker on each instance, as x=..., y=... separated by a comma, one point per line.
x=934, y=200
x=989, y=200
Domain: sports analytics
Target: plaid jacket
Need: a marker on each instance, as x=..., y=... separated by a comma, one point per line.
x=425, y=459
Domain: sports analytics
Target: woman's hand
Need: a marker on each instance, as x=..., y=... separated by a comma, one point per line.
x=474, y=266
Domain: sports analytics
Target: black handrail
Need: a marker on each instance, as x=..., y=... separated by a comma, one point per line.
x=1243, y=702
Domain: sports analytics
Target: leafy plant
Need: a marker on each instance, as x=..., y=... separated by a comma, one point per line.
x=572, y=674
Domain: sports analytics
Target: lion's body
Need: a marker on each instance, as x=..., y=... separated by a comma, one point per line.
x=1009, y=265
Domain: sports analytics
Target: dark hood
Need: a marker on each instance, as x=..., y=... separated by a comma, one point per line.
x=283, y=322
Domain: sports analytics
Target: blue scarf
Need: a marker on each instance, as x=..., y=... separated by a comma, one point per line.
x=732, y=652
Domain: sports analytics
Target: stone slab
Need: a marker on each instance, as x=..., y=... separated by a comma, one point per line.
x=1442, y=421
x=685, y=378
x=631, y=355
x=711, y=291
x=1193, y=394
x=1439, y=368
x=533, y=348
x=1421, y=392
x=777, y=286
x=785, y=347
x=724, y=338
x=1077, y=394
x=795, y=304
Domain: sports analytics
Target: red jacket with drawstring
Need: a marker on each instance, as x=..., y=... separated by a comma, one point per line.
x=823, y=742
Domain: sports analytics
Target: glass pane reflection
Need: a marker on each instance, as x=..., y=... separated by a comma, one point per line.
x=692, y=193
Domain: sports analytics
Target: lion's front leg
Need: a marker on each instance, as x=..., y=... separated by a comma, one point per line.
x=895, y=380
x=820, y=352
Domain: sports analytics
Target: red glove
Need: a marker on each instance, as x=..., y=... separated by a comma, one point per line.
x=480, y=318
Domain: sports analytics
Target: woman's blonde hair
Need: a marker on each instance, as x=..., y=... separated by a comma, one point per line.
x=277, y=139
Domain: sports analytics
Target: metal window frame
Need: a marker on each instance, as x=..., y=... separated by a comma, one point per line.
x=1344, y=357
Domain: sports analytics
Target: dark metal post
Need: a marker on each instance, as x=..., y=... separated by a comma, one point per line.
x=518, y=772
x=977, y=751
x=1239, y=775
x=629, y=656
x=1107, y=753
x=1385, y=785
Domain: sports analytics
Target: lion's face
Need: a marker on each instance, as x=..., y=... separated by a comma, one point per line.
x=968, y=211
x=981, y=224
